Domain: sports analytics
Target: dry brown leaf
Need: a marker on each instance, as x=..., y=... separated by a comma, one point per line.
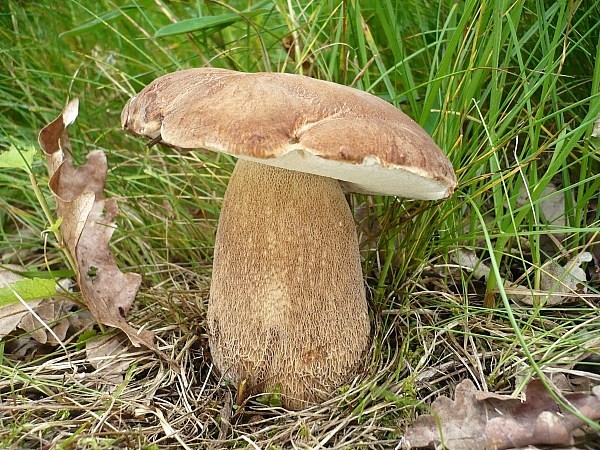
x=105, y=354
x=87, y=227
x=476, y=419
x=563, y=282
x=468, y=259
x=56, y=314
x=551, y=206
x=557, y=283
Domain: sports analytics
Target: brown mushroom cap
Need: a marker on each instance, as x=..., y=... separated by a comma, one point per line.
x=295, y=123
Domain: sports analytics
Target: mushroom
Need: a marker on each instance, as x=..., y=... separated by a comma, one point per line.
x=287, y=309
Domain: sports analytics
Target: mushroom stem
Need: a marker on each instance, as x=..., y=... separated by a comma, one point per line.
x=287, y=309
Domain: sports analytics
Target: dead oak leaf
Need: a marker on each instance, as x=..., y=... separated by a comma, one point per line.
x=87, y=227
x=476, y=420
x=110, y=357
x=56, y=314
x=558, y=283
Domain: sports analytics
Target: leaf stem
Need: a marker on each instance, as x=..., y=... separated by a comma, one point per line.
x=50, y=218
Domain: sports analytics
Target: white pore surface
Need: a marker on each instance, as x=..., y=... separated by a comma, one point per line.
x=370, y=177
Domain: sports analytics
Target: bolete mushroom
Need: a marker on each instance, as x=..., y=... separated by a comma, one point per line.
x=287, y=308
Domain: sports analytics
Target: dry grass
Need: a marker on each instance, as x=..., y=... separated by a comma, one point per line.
x=421, y=349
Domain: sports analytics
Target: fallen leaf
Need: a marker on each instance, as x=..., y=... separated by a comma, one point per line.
x=596, y=129
x=25, y=313
x=467, y=259
x=560, y=282
x=105, y=353
x=551, y=205
x=557, y=283
x=87, y=227
x=55, y=314
x=476, y=420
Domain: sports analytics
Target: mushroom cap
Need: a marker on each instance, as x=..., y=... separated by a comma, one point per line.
x=296, y=123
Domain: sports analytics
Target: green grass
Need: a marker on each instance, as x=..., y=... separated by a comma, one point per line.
x=509, y=89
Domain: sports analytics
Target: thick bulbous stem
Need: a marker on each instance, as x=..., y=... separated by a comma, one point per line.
x=287, y=309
